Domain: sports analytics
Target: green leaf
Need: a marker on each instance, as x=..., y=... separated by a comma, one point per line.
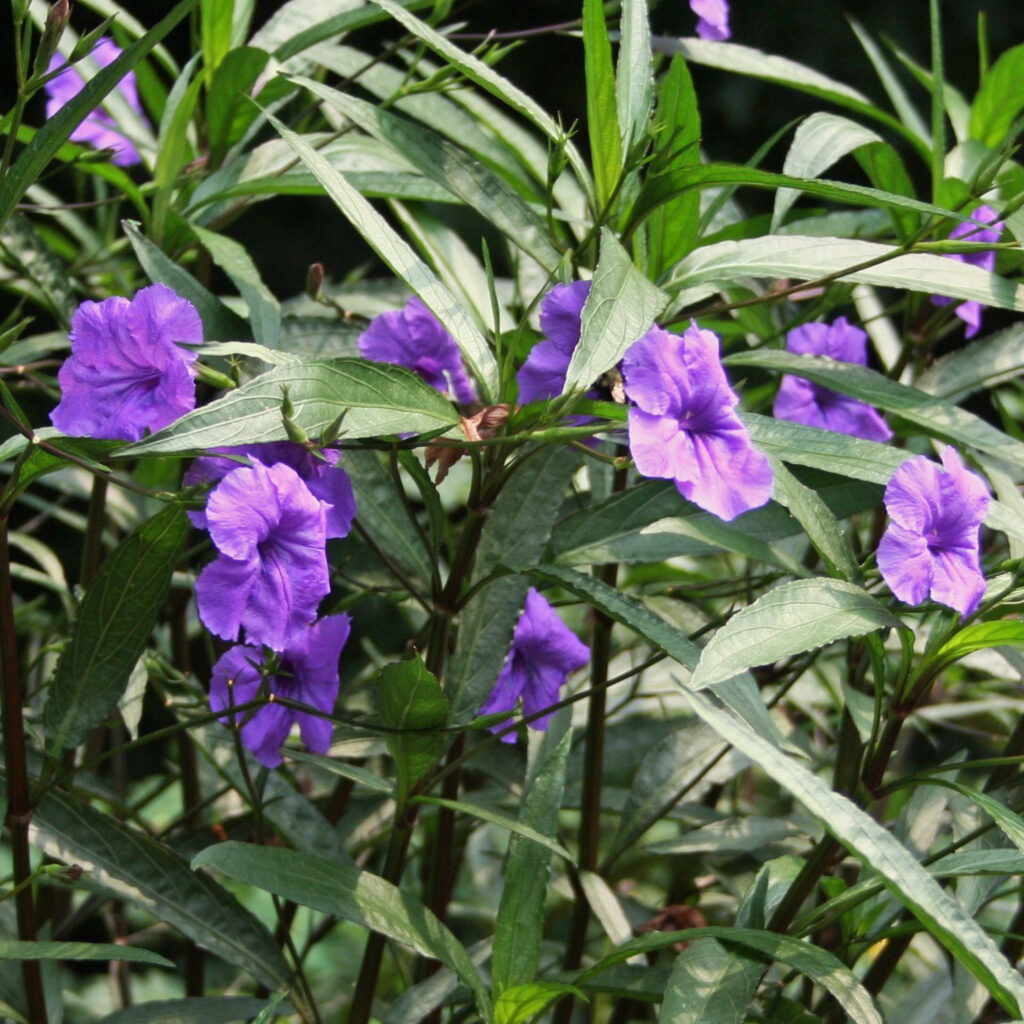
x=12, y=949
x=346, y=771
x=938, y=418
x=173, y=149
x=982, y=364
x=792, y=618
x=412, y=707
x=376, y=399
x=710, y=984
x=620, y=308
x=519, y=926
x=218, y=321
x=672, y=227
x=1009, y=822
x=522, y=1003
x=1000, y=99
x=452, y=168
x=820, y=141
x=602, y=127
x=349, y=893
x=977, y=636
x=865, y=838
x=228, y=110
x=150, y=875
x=750, y=834
x=113, y=626
x=264, y=309
x=25, y=171
x=804, y=258
x=634, y=79
x=215, y=31
x=195, y=1010
x=401, y=259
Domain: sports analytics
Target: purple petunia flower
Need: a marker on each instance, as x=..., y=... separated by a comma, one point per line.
x=307, y=671
x=973, y=231
x=413, y=337
x=544, y=652
x=815, y=405
x=326, y=480
x=714, y=18
x=684, y=426
x=543, y=374
x=126, y=372
x=271, y=570
x=99, y=128
x=931, y=545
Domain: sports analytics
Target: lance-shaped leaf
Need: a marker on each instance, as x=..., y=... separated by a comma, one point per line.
x=374, y=398
x=13, y=949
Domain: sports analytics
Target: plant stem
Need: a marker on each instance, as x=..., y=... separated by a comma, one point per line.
x=93, y=550
x=19, y=802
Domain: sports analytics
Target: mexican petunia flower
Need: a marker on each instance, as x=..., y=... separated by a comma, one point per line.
x=815, y=405
x=931, y=545
x=984, y=226
x=99, y=129
x=543, y=374
x=325, y=479
x=684, y=427
x=714, y=18
x=413, y=337
x=271, y=569
x=544, y=652
x=126, y=372
x=306, y=671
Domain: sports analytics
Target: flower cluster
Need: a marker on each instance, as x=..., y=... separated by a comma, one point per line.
x=984, y=226
x=99, y=129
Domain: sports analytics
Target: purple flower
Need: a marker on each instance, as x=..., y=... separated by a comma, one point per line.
x=714, y=18
x=306, y=671
x=99, y=128
x=126, y=372
x=543, y=374
x=414, y=337
x=684, y=426
x=326, y=480
x=271, y=569
x=544, y=652
x=931, y=545
x=814, y=405
x=974, y=231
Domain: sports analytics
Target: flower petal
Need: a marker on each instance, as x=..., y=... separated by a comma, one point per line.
x=905, y=563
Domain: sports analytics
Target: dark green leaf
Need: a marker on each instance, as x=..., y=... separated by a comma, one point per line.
x=12, y=949
x=602, y=126
x=113, y=626
x=196, y=1010
x=228, y=109
x=710, y=985
x=1000, y=99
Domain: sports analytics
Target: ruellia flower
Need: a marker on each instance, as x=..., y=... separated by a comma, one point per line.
x=930, y=547
x=325, y=479
x=99, y=129
x=543, y=374
x=413, y=337
x=270, y=572
x=127, y=371
x=984, y=226
x=683, y=425
x=814, y=405
x=714, y=18
x=305, y=671
x=544, y=652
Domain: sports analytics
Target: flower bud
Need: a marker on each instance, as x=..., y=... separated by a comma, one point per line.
x=315, y=280
x=56, y=21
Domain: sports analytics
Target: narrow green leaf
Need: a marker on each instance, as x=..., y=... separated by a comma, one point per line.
x=602, y=126
x=173, y=148
x=982, y=364
x=12, y=949
x=1000, y=99
x=938, y=133
x=345, y=770
x=710, y=985
x=523, y=1003
x=1009, y=822
x=731, y=835
x=519, y=926
x=25, y=171
x=131, y=866
x=376, y=399
x=215, y=17
x=634, y=78
x=620, y=308
x=194, y=1010
x=977, y=636
x=113, y=626
x=351, y=894
x=228, y=110
x=792, y=618
x=401, y=259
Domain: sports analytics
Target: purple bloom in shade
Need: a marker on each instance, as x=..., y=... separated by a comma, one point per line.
x=307, y=671
x=972, y=231
x=271, y=569
x=99, y=128
x=814, y=405
x=714, y=18
x=543, y=374
x=326, y=480
x=931, y=544
x=684, y=425
x=414, y=337
x=544, y=652
x=126, y=372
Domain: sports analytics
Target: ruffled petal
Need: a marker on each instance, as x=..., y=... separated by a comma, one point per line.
x=159, y=316
x=561, y=312
x=912, y=495
x=543, y=374
x=957, y=579
x=729, y=476
x=222, y=591
x=264, y=734
x=905, y=563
